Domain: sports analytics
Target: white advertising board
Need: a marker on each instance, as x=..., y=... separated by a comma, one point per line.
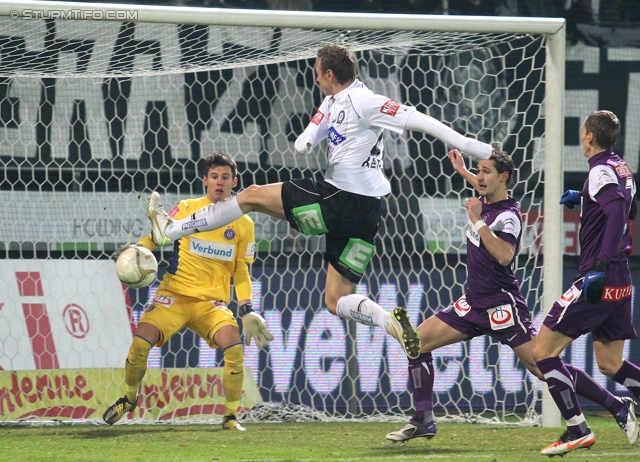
x=62, y=314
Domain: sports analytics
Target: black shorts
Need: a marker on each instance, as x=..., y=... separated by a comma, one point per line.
x=349, y=220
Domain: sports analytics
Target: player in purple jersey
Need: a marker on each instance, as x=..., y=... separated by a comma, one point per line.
x=344, y=206
x=599, y=300
x=493, y=303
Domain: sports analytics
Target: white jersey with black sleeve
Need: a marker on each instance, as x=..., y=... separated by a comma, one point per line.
x=353, y=122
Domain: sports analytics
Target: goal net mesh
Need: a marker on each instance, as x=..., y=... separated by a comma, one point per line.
x=96, y=115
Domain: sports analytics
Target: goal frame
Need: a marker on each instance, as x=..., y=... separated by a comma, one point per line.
x=554, y=30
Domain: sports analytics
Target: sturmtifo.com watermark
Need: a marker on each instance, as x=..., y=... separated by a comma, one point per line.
x=108, y=15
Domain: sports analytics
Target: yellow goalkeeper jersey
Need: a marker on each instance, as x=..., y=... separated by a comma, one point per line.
x=203, y=264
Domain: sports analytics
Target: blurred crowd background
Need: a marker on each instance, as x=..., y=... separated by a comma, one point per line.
x=593, y=22
x=592, y=12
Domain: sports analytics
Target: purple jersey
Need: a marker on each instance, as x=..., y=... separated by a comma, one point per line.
x=605, y=233
x=490, y=284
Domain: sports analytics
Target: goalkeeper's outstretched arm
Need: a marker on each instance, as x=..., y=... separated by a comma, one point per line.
x=420, y=122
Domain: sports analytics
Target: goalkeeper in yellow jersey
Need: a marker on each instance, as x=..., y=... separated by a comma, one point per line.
x=195, y=292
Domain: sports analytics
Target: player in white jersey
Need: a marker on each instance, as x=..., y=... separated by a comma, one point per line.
x=345, y=206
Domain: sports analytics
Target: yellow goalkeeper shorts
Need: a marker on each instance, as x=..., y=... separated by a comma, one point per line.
x=170, y=313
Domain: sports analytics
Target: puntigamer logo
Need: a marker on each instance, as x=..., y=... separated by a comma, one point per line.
x=194, y=224
x=210, y=249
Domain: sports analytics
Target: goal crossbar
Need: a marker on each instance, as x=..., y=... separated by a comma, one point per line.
x=301, y=19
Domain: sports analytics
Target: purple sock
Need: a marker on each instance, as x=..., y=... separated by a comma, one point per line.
x=421, y=374
x=629, y=376
x=593, y=391
x=562, y=390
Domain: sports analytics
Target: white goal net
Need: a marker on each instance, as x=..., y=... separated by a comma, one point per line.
x=94, y=115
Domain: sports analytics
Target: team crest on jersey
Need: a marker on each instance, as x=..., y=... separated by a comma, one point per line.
x=335, y=138
x=501, y=317
x=317, y=118
x=229, y=234
x=390, y=108
x=340, y=117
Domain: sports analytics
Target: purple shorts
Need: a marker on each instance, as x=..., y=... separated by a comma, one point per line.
x=509, y=324
x=611, y=318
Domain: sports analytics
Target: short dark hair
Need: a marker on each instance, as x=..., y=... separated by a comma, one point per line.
x=605, y=127
x=340, y=60
x=218, y=159
x=504, y=163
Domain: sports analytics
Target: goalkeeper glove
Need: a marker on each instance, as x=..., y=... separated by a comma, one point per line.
x=118, y=252
x=254, y=326
x=570, y=198
x=593, y=284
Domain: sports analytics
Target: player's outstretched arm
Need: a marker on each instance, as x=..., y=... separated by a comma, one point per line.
x=458, y=165
x=420, y=122
x=315, y=132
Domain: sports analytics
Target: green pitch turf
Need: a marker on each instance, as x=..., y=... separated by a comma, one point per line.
x=354, y=441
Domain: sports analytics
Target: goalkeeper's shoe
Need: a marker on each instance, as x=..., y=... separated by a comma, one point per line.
x=116, y=411
x=399, y=327
x=229, y=422
x=413, y=430
x=569, y=442
x=159, y=220
x=627, y=420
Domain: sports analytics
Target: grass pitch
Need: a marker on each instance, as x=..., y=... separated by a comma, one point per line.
x=352, y=441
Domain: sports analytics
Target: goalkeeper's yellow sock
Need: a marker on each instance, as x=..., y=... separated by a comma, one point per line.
x=135, y=366
x=233, y=377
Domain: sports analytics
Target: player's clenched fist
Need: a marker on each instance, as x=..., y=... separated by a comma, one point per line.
x=304, y=143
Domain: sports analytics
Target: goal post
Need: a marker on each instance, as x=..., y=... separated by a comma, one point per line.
x=102, y=103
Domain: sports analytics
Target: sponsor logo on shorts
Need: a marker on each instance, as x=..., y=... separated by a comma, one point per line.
x=569, y=296
x=390, y=108
x=317, y=118
x=229, y=234
x=309, y=218
x=614, y=294
x=356, y=255
x=173, y=211
x=335, y=138
x=210, y=249
x=461, y=306
x=195, y=224
x=163, y=300
x=501, y=317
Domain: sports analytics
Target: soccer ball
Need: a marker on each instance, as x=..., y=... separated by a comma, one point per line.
x=137, y=267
